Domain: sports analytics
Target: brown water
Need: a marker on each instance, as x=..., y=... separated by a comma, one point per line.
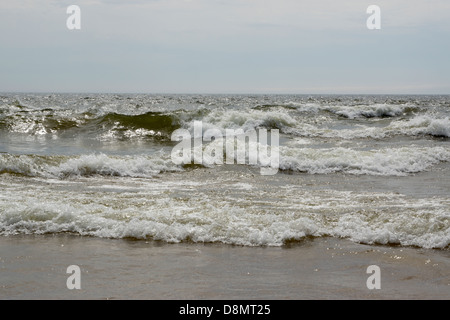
x=34, y=267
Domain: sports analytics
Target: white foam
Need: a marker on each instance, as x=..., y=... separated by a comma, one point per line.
x=417, y=126
x=86, y=165
x=288, y=123
x=387, y=161
x=424, y=124
x=249, y=219
x=246, y=120
x=369, y=111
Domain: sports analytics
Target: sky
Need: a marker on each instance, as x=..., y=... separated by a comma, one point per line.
x=226, y=46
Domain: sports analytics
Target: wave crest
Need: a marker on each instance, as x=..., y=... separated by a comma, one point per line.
x=384, y=162
x=60, y=167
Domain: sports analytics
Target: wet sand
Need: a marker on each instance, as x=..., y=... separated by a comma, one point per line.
x=34, y=267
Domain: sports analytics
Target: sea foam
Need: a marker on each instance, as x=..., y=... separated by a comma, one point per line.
x=386, y=162
x=176, y=213
x=86, y=165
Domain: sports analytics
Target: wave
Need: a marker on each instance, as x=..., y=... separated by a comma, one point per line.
x=424, y=125
x=151, y=124
x=373, y=111
x=98, y=195
x=420, y=125
x=399, y=161
x=60, y=167
x=383, y=162
x=308, y=120
x=274, y=106
x=298, y=156
x=37, y=125
x=159, y=212
x=246, y=120
x=322, y=127
x=156, y=121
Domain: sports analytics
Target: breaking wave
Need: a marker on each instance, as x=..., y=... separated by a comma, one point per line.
x=384, y=162
x=59, y=167
x=382, y=218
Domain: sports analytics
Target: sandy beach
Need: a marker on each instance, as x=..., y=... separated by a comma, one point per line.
x=34, y=267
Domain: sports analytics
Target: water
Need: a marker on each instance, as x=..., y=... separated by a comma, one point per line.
x=372, y=169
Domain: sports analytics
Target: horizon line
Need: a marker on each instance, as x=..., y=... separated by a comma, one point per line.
x=218, y=93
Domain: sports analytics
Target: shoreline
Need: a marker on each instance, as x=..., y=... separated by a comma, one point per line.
x=35, y=267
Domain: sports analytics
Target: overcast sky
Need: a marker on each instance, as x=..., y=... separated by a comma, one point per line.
x=225, y=46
